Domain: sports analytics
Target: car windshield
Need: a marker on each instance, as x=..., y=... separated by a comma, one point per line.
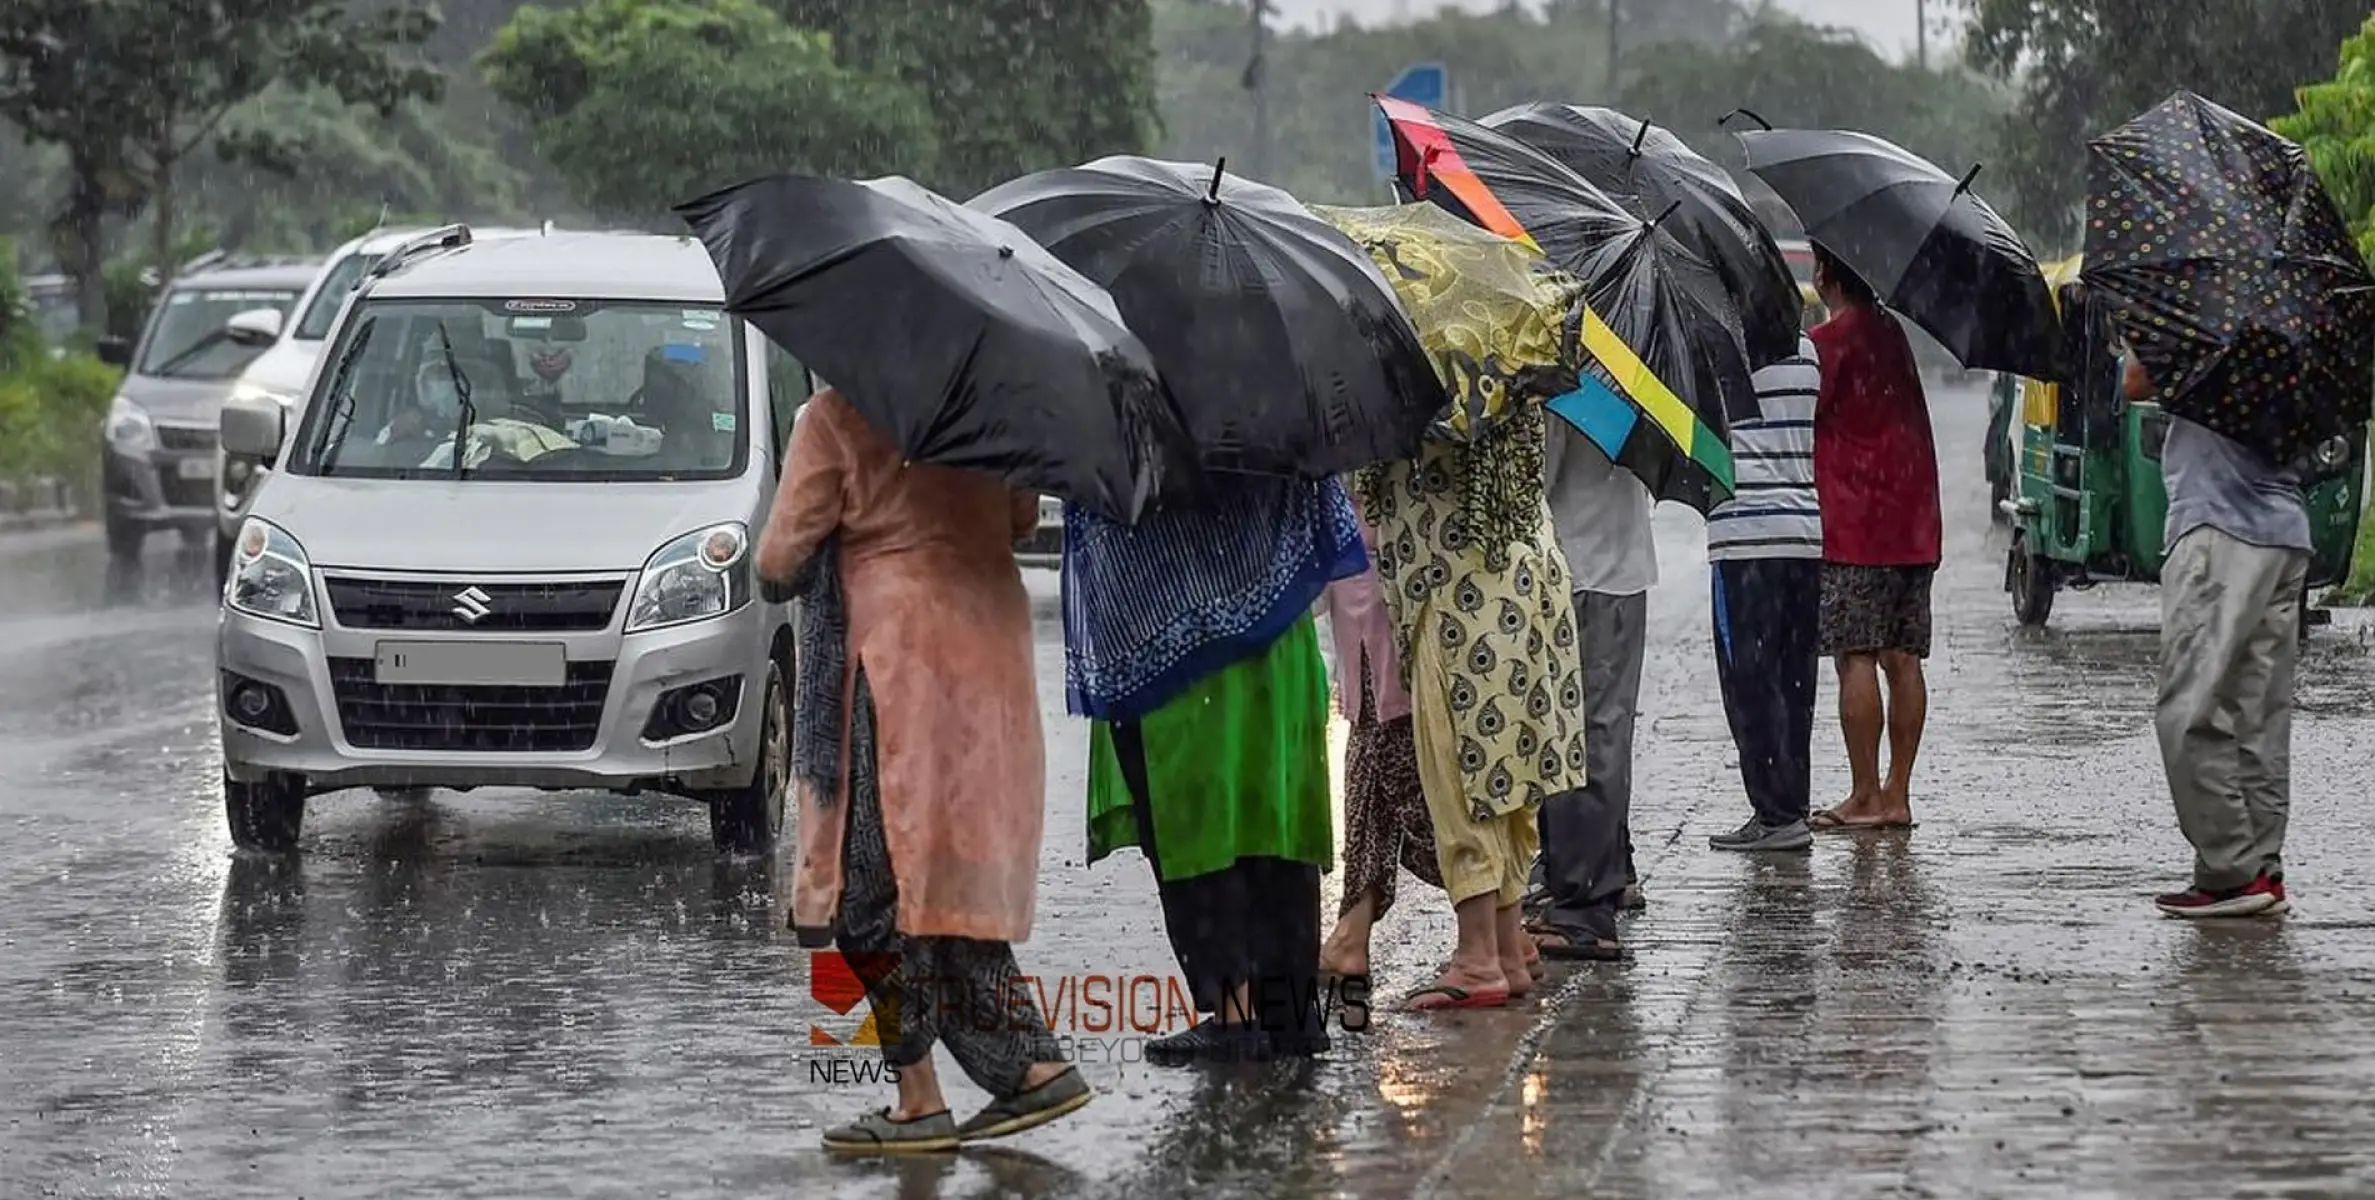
x=536, y=389
x=336, y=283
x=186, y=339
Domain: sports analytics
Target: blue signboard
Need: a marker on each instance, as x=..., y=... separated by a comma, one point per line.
x=1427, y=84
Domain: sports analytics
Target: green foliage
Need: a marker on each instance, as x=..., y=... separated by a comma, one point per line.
x=2084, y=66
x=1014, y=86
x=641, y=103
x=2336, y=125
x=49, y=406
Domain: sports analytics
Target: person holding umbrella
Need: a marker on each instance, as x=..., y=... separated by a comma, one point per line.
x=1876, y=479
x=1189, y=642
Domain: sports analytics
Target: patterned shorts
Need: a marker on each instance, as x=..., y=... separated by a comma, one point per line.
x=1869, y=609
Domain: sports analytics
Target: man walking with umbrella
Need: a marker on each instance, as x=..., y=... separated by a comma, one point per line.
x=2238, y=538
x=1876, y=474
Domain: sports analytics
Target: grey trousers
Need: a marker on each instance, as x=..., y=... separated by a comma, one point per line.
x=1587, y=851
x=2230, y=629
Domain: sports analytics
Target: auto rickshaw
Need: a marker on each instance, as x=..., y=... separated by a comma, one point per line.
x=2088, y=501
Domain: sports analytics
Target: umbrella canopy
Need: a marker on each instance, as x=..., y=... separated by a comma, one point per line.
x=1654, y=173
x=2233, y=274
x=1506, y=329
x=957, y=336
x=1284, y=347
x=1928, y=245
x=1658, y=315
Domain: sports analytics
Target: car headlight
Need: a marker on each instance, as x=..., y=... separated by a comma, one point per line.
x=2331, y=453
x=270, y=576
x=697, y=576
x=128, y=428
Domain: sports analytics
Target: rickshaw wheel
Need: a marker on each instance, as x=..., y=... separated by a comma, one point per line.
x=2030, y=580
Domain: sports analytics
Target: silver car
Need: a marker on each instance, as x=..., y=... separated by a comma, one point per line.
x=508, y=541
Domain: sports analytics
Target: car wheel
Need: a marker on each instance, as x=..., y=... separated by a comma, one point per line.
x=265, y=815
x=2030, y=580
x=125, y=540
x=747, y=819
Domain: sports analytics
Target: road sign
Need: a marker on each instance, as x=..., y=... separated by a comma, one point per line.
x=1427, y=84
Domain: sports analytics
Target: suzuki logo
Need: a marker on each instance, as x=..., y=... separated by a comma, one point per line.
x=471, y=605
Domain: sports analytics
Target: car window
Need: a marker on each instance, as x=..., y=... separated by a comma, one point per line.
x=788, y=387
x=186, y=339
x=336, y=283
x=530, y=389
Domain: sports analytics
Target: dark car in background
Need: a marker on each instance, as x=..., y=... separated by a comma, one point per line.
x=157, y=442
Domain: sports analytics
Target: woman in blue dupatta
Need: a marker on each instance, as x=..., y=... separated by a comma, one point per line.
x=1189, y=640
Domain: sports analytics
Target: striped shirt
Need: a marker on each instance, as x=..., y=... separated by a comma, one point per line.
x=1773, y=513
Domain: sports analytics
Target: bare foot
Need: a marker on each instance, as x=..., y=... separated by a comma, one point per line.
x=1894, y=806
x=1860, y=808
x=1345, y=952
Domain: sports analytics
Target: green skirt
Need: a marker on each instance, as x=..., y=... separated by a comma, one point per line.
x=1237, y=764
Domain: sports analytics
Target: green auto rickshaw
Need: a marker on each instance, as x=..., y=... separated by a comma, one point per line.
x=2086, y=500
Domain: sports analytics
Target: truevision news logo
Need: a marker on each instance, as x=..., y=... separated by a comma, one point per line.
x=1097, y=1018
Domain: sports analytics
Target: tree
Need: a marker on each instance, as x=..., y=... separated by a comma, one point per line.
x=2086, y=65
x=130, y=88
x=639, y=104
x=1014, y=86
x=2335, y=123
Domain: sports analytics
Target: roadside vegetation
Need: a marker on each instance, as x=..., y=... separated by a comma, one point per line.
x=50, y=403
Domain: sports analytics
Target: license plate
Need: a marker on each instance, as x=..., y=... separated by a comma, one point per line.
x=197, y=468
x=468, y=664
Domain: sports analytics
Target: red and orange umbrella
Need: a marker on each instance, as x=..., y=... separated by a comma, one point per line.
x=1661, y=325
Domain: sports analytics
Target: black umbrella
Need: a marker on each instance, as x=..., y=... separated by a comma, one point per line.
x=1666, y=304
x=2234, y=276
x=960, y=338
x=1651, y=170
x=1922, y=238
x=1283, y=345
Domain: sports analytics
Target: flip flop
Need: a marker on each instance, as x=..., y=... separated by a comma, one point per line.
x=1831, y=822
x=1453, y=997
x=1559, y=944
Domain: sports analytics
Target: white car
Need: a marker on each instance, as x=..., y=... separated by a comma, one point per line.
x=284, y=370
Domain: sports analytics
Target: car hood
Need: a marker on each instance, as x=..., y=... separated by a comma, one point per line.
x=177, y=401
x=472, y=526
x=284, y=369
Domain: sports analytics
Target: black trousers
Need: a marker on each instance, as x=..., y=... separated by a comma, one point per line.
x=1768, y=650
x=1255, y=924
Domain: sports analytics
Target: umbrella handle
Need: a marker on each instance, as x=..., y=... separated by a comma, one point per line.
x=1968, y=176
x=1742, y=112
x=1218, y=165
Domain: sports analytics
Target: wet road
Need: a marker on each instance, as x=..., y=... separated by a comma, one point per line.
x=508, y=994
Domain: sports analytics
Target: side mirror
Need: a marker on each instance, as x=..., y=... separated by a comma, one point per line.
x=115, y=351
x=253, y=429
x=254, y=327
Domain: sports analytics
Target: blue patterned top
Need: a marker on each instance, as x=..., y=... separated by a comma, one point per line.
x=1152, y=608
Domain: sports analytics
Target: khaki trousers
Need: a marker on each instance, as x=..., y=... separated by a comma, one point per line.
x=2230, y=638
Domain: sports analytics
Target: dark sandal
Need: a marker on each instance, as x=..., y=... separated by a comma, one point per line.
x=1561, y=945
x=1028, y=1109
x=878, y=1133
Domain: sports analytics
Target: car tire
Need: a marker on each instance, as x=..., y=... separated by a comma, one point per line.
x=265, y=816
x=125, y=540
x=746, y=820
x=2030, y=580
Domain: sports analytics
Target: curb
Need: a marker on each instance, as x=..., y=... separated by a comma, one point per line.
x=42, y=502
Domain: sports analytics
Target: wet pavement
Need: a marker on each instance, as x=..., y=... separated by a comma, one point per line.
x=515, y=994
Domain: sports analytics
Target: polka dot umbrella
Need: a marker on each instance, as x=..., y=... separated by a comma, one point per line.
x=2233, y=275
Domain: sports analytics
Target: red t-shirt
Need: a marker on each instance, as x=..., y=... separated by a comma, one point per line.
x=1875, y=463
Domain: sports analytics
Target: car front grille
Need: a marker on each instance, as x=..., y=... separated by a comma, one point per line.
x=553, y=607
x=494, y=720
x=185, y=438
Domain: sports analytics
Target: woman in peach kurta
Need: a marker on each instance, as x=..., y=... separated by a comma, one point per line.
x=921, y=859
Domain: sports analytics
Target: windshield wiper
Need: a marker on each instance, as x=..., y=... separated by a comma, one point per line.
x=334, y=424
x=164, y=370
x=468, y=416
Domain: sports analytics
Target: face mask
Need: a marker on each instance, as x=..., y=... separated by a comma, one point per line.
x=439, y=397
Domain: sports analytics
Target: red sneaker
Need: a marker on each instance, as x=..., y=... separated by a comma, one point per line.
x=2250, y=900
x=2284, y=903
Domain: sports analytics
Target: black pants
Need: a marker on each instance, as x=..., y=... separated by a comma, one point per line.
x=1254, y=924
x=1767, y=652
